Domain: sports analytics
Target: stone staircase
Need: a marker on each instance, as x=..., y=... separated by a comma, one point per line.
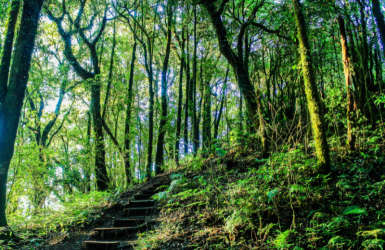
x=137, y=216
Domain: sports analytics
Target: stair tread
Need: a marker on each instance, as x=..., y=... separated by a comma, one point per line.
x=136, y=204
x=139, y=201
x=135, y=217
x=131, y=219
x=101, y=242
x=137, y=208
x=111, y=228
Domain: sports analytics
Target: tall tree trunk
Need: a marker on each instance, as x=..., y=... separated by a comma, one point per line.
x=206, y=126
x=262, y=127
x=236, y=61
x=150, y=116
x=180, y=97
x=187, y=105
x=240, y=114
x=364, y=61
x=100, y=153
x=376, y=10
x=7, y=49
x=110, y=74
x=87, y=172
x=163, y=120
x=14, y=97
x=128, y=117
x=377, y=59
x=194, y=107
x=218, y=119
x=358, y=78
x=100, y=171
x=350, y=143
x=311, y=91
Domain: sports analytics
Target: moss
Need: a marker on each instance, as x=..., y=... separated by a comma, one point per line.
x=311, y=91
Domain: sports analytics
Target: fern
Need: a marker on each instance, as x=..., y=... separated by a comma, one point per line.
x=373, y=244
x=281, y=241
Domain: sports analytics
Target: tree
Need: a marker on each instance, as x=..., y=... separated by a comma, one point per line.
x=311, y=91
x=236, y=60
x=163, y=120
x=350, y=143
x=180, y=95
x=101, y=171
x=127, y=122
x=376, y=10
x=13, y=95
x=7, y=49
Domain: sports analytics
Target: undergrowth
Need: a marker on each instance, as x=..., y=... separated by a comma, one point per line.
x=237, y=201
x=77, y=212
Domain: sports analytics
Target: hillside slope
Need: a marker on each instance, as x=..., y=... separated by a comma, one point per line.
x=238, y=201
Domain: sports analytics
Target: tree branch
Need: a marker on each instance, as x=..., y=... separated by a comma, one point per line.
x=60, y=127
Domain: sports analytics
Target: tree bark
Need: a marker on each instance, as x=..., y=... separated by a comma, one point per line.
x=376, y=10
x=365, y=67
x=243, y=80
x=180, y=97
x=7, y=49
x=194, y=90
x=350, y=143
x=128, y=118
x=101, y=171
x=163, y=120
x=110, y=74
x=87, y=172
x=218, y=119
x=14, y=97
x=187, y=103
x=313, y=99
x=206, y=126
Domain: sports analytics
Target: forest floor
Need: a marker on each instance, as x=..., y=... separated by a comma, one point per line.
x=235, y=200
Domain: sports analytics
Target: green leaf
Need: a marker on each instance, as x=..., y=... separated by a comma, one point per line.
x=354, y=210
x=272, y=193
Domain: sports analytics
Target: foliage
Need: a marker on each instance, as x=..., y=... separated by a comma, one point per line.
x=78, y=211
x=278, y=205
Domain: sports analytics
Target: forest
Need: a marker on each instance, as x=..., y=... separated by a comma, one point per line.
x=192, y=124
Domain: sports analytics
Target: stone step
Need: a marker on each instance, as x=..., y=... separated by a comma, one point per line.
x=142, y=197
x=138, y=211
x=129, y=247
x=129, y=222
x=115, y=231
x=100, y=245
x=140, y=203
x=149, y=191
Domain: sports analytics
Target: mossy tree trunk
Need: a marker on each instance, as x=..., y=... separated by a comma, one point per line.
x=194, y=90
x=127, y=124
x=180, y=97
x=313, y=99
x=351, y=138
x=206, y=126
x=163, y=120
